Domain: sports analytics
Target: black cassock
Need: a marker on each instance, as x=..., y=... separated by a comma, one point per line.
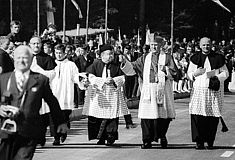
x=45, y=61
x=99, y=128
x=204, y=128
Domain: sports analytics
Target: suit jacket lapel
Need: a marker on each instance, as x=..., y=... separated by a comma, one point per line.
x=13, y=86
x=31, y=81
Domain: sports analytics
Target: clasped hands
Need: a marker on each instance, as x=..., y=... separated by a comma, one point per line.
x=109, y=81
x=199, y=71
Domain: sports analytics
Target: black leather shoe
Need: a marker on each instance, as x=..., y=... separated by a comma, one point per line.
x=63, y=137
x=146, y=145
x=210, y=145
x=110, y=142
x=101, y=142
x=163, y=142
x=200, y=146
x=128, y=126
x=56, y=142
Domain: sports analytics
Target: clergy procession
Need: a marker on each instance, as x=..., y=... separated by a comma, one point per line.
x=117, y=93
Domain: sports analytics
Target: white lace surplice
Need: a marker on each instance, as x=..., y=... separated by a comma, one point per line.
x=105, y=101
x=204, y=101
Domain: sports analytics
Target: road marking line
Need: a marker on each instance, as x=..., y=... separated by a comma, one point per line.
x=227, y=154
x=78, y=128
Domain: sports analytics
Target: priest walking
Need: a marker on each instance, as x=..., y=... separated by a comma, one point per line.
x=105, y=102
x=208, y=71
x=156, y=108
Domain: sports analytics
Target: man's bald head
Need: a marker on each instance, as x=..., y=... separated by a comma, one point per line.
x=205, y=45
x=36, y=44
x=205, y=39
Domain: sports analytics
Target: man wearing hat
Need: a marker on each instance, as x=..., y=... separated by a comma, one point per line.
x=104, y=102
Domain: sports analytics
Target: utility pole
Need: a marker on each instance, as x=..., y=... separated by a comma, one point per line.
x=142, y=20
x=172, y=25
x=87, y=19
x=64, y=21
x=11, y=13
x=106, y=21
x=38, y=18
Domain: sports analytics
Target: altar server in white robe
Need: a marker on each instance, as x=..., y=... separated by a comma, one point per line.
x=62, y=86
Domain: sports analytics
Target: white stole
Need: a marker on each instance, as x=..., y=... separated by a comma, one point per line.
x=207, y=64
x=146, y=74
x=104, y=72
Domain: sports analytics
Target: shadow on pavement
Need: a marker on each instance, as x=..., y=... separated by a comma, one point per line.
x=124, y=145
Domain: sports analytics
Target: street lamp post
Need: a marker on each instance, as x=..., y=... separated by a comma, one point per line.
x=87, y=19
x=106, y=21
x=172, y=25
x=38, y=18
x=11, y=13
x=64, y=21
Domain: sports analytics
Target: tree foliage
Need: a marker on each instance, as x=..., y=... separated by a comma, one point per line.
x=191, y=17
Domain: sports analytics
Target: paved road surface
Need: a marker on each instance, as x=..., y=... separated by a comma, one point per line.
x=77, y=146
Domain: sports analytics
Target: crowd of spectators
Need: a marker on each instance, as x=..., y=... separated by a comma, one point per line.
x=184, y=49
x=77, y=49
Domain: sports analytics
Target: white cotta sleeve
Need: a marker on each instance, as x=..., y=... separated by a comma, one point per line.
x=119, y=81
x=96, y=82
x=75, y=74
x=191, y=69
x=128, y=69
x=223, y=73
x=36, y=68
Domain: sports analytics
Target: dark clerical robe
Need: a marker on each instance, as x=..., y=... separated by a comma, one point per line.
x=104, y=103
x=206, y=104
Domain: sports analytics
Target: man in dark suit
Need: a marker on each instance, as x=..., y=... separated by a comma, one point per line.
x=130, y=83
x=130, y=80
x=6, y=63
x=83, y=61
x=25, y=90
